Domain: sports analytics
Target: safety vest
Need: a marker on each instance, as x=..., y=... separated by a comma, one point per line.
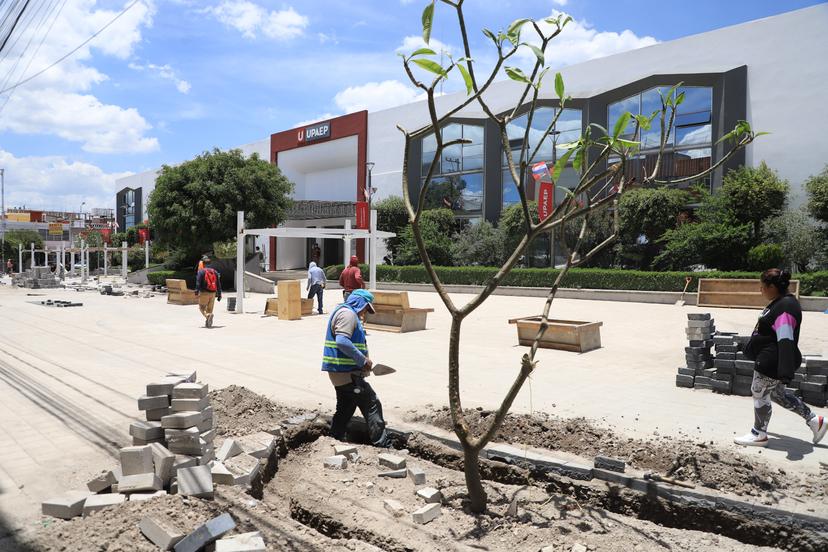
x=334, y=360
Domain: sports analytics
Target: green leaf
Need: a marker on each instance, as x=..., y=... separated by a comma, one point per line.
x=423, y=52
x=428, y=20
x=559, y=86
x=561, y=164
x=552, y=20
x=578, y=162
x=628, y=143
x=466, y=77
x=514, y=28
x=621, y=124
x=679, y=99
x=430, y=65
x=516, y=74
x=758, y=134
x=599, y=127
x=491, y=35
x=565, y=21
x=538, y=53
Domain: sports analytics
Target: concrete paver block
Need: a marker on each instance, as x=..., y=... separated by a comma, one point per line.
x=206, y=425
x=197, y=481
x=608, y=463
x=150, y=402
x=163, y=533
x=208, y=456
x=348, y=451
x=164, y=386
x=148, y=431
x=139, y=482
x=209, y=435
x=221, y=475
x=101, y=501
x=427, y=513
x=206, y=534
x=391, y=461
x=181, y=420
x=417, y=475
x=189, y=390
x=102, y=482
x=430, y=495
x=259, y=444
x=393, y=507
x=243, y=467
x=394, y=474
x=183, y=461
x=140, y=497
x=66, y=506
x=246, y=542
x=163, y=461
x=187, y=377
x=135, y=460
x=184, y=405
x=189, y=434
x=198, y=448
x=228, y=449
x=208, y=413
x=337, y=462
x=156, y=414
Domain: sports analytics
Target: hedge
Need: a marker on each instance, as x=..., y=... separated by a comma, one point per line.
x=159, y=278
x=586, y=278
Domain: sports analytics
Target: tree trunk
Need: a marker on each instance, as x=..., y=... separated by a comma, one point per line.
x=474, y=484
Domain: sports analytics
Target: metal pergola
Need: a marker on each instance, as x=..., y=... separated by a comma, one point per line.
x=346, y=234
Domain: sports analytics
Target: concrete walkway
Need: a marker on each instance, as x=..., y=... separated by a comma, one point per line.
x=69, y=377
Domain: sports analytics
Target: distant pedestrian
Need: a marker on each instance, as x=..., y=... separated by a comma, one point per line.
x=316, y=283
x=351, y=278
x=200, y=265
x=774, y=347
x=316, y=253
x=9, y=267
x=208, y=289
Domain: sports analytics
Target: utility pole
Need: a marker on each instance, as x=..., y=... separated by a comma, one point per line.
x=3, y=201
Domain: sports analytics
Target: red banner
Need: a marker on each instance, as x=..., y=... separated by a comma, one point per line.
x=143, y=235
x=106, y=235
x=362, y=215
x=546, y=200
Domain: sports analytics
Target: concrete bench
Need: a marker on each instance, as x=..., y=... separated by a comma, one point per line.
x=735, y=293
x=179, y=294
x=394, y=314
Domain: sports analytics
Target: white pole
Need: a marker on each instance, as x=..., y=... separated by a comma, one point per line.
x=45, y=255
x=83, y=262
x=106, y=260
x=32, y=259
x=72, y=262
x=19, y=257
x=240, y=262
x=347, y=249
x=146, y=253
x=124, y=260
x=372, y=246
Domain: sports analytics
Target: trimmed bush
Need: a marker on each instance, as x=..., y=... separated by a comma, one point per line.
x=583, y=278
x=160, y=277
x=764, y=256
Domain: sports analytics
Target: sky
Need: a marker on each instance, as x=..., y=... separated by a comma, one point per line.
x=173, y=78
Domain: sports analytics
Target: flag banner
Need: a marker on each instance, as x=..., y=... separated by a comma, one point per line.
x=362, y=215
x=540, y=171
x=546, y=200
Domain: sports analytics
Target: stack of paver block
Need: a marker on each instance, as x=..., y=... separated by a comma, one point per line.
x=728, y=372
x=38, y=277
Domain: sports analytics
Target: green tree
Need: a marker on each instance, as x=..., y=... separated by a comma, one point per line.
x=513, y=225
x=817, y=189
x=392, y=216
x=437, y=227
x=16, y=237
x=478, y=245
x=720, y=246
x=752, y=195
x=194, y=204
x=648, y=212
x=599, y=226
x=799, y=237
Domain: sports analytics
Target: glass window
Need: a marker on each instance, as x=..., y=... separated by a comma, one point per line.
x=462, y=193
x=631, y=104
x=510, y=191
x=567, y=130
x=693, y=135
x=684, y=119
x=696, y=98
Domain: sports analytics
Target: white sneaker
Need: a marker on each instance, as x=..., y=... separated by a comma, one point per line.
x=753, y=439
x=819, y=426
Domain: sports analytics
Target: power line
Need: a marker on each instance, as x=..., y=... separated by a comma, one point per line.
x=16, y=21
x=35, y=22
x=81, y=45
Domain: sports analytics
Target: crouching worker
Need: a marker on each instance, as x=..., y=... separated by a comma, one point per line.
x=345, y=358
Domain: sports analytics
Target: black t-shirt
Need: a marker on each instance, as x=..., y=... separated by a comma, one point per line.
x=774, y=344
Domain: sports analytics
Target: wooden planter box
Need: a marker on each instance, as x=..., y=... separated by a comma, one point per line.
x=394, y=314
x=735, y=293
x=566, y=335
x=179, y=294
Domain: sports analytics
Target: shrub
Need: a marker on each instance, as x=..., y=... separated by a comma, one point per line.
x=800, y=239
x=437, y=227
x=765, y=255
x=478, y=245
x=752, y=195
x=817, y=188
x=160, y=277
x=392, y=216
x=651, y=211
x=720, y=246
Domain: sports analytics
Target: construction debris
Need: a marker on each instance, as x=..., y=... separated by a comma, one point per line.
x=427, y=513
x=38, y=277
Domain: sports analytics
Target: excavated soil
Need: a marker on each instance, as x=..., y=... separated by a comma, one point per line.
x=240, y=411
x=700, y=463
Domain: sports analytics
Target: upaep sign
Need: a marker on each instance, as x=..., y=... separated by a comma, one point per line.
x=546, y=200
x=55, y=229
x=314, y=132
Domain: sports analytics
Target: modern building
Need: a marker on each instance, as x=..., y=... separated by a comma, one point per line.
x=59, y=228
x=770, y=72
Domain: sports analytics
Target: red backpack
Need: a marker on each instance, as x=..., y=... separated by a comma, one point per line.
x=210, y=279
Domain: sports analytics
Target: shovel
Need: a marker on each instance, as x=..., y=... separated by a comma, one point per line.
x=687, y=280
x=382, y=370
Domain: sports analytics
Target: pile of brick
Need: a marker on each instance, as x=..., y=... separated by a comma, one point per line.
x=172, y=452
x=728, y=372
x=395, y=467
x=39, y=277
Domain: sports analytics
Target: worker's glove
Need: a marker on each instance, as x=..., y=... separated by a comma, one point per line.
x=218, y=299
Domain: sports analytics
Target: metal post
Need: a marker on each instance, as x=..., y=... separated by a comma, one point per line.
x=83, y=261
x=3, y=207
x=124, y=260
x=31, y=261
x=347, y=240
x=19, y=257
x=146, y=253
x=72, y=262
x=372, y=246
x=240, y=262
x=106, y=260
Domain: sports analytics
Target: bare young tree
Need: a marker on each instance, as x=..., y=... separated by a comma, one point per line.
x=600, y=157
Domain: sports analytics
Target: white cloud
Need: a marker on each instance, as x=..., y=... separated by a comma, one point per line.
x=45, y=182
x=58, y=102
x=251, y=20
x=375, y=96
x=165, y=72
x=415, y=42
x=580, y=41
x=560, y=2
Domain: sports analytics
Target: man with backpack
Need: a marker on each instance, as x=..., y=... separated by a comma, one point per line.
x=208, y=289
